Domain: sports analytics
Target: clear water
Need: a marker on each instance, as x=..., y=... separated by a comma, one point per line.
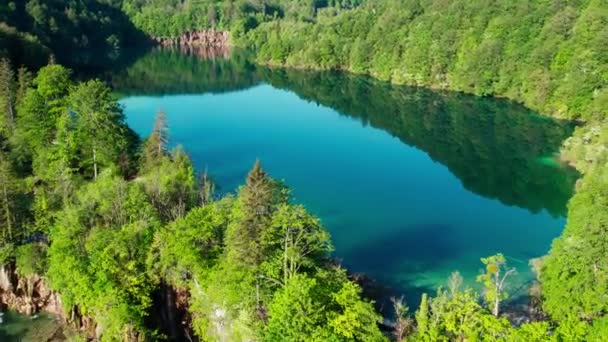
x=18, y=328
x=412, y=184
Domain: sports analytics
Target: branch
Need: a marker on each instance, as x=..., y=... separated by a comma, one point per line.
x=504, y=277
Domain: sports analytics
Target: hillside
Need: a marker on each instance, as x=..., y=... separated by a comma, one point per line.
x=138, y=245
x=75, y=32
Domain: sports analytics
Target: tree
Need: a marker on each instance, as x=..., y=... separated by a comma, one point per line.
x=64, y=154
x=24, y=81
x=356, y=318
x=296, y=314
x=7, y=97
x=494, y=281
x=156, y=145
x=7, y=188
x=171, y=185
x=403, y=322
x=307, y=309
x=42, y=105
x=257, y=199
x=100, y=124
x=295, y=240
x=207, y=188
x=423, y=331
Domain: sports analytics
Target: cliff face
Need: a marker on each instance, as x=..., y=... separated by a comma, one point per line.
x=197, y=38
x=27, y=295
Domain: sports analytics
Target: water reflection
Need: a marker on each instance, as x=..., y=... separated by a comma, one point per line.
x=497, y=149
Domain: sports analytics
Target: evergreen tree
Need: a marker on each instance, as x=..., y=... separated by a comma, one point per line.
x=7, y=97
x=100, y=124
x=156, y=145
x=257, y=207
x=24, y=81
x=7, y=186
x=207, y=188
x=422, y=320
x=42, y=105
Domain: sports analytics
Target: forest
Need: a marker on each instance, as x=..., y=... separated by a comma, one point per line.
x=117, y=225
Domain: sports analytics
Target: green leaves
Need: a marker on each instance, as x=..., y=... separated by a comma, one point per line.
x=494, y=281
x=97, y=258
x=574, y=277
x=544, y=55
x=100, y=128
x=303, y=311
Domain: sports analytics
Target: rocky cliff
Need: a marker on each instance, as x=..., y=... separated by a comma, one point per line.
x=197, y=38
x=27, y=295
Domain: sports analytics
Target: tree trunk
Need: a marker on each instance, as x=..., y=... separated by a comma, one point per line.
x=94, y=163
x=497, y=295
x=7, y=212
x=10, y=109
x=285, y=258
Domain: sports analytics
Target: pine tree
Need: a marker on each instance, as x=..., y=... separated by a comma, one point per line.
x=257, y=205
x=7, y=214
x=7, y=97
x=422, y=319
x=99, y=124
x=257, y=194
x=24, y=81
x=207, y=188
x=156, y=145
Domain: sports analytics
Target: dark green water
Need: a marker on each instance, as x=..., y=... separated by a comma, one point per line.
x=18, y=328
x=412, y=184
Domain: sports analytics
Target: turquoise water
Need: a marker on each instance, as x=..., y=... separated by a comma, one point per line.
x=412, y=184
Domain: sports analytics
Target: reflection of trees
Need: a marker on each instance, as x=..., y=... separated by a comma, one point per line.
x=495, y=147
x=187, y=70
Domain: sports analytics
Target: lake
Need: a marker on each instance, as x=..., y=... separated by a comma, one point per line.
x=413, y=184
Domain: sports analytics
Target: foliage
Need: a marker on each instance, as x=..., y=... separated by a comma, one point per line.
x=574, y=280
x=550, y=56
x=256, y=266
x=301, y=311
x=75, y=31
x=172, y=18
x=494, y=281
x=30, y=259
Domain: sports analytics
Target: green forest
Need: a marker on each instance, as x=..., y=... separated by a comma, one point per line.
x=141, y=248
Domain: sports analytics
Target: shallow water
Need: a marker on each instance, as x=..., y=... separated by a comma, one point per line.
x=412, y=184
x=19, y=328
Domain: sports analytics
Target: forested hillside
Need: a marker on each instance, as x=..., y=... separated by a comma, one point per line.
x=125, y=232
x=173, y=17
x=550, y=55
x=73, y=31
x=116, y=226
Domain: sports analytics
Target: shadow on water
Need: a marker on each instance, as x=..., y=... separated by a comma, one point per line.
x=406, y=251
x=388, y=251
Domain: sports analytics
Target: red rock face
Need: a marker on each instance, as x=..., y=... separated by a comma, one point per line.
x=197, y=38
x=27, y=295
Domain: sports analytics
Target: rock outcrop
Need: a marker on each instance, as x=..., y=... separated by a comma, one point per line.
x=27, y=295
x=197, y=38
